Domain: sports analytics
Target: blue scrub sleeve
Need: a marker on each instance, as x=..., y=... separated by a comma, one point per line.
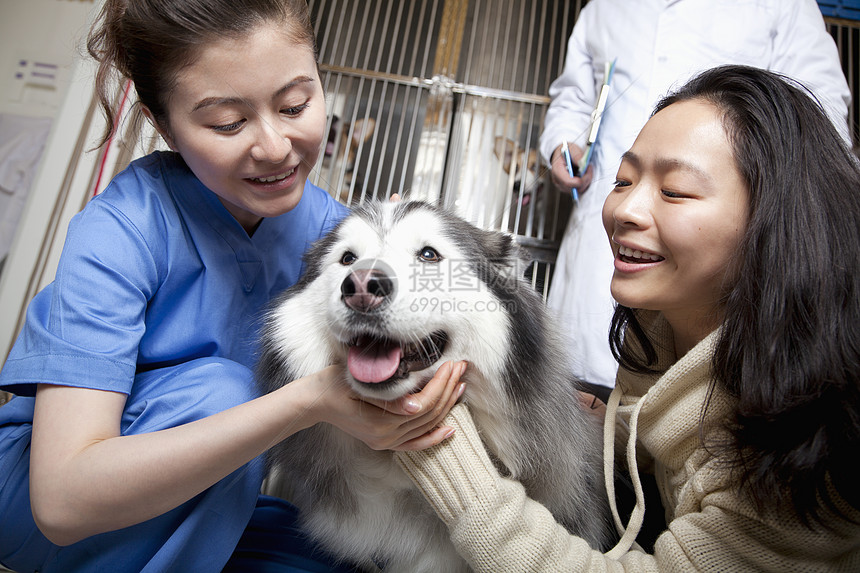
x=85, y=328
x=198, y=536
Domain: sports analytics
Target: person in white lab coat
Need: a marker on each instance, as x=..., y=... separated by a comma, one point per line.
x=657, y=45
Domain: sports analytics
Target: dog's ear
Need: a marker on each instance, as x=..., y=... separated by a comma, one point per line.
x=533, y=163
x=502, y=246
x=504, y=150
x=502, y=249
x=506, y=259
x=362, y=130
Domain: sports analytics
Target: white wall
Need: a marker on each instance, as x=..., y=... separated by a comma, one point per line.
x=45, y=35
x=36, y=34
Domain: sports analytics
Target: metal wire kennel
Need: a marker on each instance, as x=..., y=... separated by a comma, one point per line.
x=444, y=100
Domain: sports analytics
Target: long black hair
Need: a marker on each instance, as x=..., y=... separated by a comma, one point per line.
x=789, y=348
x=149, y=41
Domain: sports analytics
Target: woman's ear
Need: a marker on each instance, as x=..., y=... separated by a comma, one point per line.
x=161, y=131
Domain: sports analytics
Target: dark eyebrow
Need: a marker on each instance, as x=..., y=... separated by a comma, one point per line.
x=631, y=157
x=213, y=101
x=666, y=164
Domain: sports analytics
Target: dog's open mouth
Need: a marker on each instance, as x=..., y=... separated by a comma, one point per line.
x=373, y=360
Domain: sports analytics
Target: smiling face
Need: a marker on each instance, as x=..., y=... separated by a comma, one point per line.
x=248, y=117
x=675, y=219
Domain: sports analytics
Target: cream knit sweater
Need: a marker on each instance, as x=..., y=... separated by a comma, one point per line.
x=497, y=528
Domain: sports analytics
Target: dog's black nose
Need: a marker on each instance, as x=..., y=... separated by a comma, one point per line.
x=366, y=289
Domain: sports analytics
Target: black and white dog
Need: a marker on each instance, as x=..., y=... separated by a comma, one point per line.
x=391, y=293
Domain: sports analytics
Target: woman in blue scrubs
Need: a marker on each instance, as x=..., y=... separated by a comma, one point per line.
x=134, y=438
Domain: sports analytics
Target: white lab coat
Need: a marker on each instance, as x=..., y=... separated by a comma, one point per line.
x=658, y=44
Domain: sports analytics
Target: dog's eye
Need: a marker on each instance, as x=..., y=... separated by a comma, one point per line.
x=348, y=258
x=429, y=255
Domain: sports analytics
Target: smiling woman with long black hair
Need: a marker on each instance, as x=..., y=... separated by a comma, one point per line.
x=737, y=272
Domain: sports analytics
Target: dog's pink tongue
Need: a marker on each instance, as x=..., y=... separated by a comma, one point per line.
x=374, y=362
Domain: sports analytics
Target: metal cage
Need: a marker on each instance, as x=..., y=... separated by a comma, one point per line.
x=444, y=101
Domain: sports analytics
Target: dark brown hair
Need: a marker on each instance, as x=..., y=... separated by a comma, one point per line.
x=149, y=41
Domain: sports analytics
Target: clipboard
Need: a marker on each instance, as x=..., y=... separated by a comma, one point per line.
x=597, y=115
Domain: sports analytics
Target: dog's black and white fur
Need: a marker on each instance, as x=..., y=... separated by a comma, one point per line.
x=391, y=293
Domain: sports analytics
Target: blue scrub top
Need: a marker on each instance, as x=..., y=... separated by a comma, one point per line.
x=156, y=272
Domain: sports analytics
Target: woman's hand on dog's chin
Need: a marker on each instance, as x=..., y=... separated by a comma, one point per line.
x=409, y=423
x=429, y=407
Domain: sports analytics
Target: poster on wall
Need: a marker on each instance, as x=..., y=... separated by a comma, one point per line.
x=22, y=141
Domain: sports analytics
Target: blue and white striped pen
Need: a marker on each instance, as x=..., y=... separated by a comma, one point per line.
x=568, y=162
